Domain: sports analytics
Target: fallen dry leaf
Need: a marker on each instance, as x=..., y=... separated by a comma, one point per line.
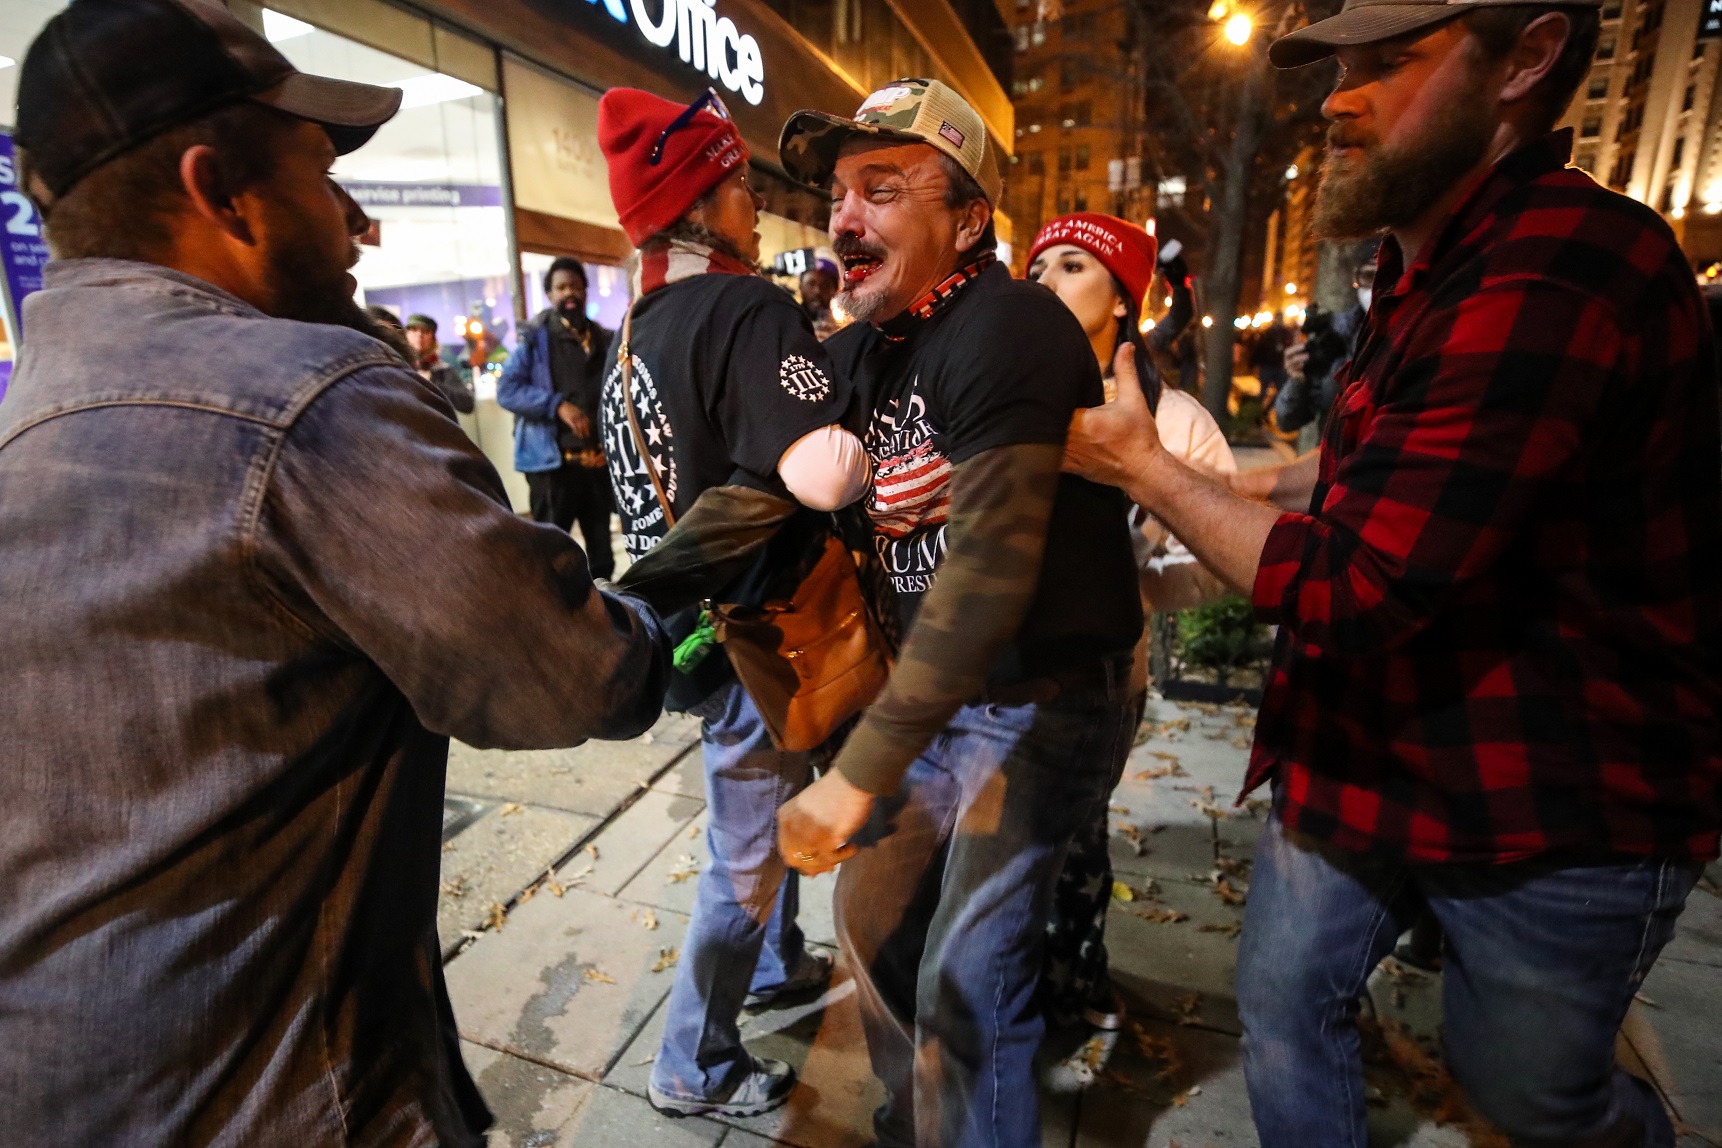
x=1233, y=867
x=552, y=884
x=667, y=959
x=599, y=977
x=1161, y=916
x=1224, y=891
x=512, y=808
x=693, y=832
x=455, y=888
x=498, y=916
x=577, y=877
x=1231, y=930
x=649, y=922
x=686, y=866
x=592, y=852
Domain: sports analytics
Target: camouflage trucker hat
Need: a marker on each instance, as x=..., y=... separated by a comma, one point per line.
x=1372, y=21
x=923, y=111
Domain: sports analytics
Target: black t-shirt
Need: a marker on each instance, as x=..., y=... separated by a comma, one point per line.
x=1004, y=364
x=726, y=377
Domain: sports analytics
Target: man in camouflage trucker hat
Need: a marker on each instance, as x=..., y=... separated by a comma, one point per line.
x=1005, y=720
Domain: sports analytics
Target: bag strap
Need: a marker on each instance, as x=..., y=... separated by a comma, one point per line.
x=626, y=362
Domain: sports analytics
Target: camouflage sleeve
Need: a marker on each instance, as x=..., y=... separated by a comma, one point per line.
x=1001, y=503
x=715, y=542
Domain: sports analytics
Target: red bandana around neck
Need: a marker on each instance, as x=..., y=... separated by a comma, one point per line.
x=940, y=297
x=936, y=300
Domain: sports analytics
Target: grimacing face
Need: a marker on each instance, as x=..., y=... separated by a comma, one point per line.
x=1082, y=283
x=894, y=235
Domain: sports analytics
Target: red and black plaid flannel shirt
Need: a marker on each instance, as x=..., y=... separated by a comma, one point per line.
x=1501, y=624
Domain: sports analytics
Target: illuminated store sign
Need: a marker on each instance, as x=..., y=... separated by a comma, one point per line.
x=709, y=42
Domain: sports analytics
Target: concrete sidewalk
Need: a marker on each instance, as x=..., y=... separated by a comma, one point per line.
x=569, y=876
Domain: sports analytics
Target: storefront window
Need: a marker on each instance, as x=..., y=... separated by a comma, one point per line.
x=432, y=180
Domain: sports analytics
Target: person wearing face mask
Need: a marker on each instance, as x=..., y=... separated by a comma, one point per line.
x=1308, y=394
x=551, y=384
x=1102, y=267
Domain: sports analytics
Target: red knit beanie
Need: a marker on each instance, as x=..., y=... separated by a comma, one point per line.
x=1122, y=248
x=696, y=158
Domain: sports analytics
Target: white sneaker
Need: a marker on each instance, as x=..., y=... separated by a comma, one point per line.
x=760, y=1091
x=1082, y=1068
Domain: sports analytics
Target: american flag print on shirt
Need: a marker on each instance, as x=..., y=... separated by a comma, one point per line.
x=911, y=495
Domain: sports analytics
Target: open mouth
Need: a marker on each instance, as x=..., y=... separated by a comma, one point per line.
x=857, y=268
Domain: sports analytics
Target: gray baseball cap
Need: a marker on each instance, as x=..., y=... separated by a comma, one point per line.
x=1371, y=21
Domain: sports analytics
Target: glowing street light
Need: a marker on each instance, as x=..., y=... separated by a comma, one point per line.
x=1238, y=29
x=1291, y=288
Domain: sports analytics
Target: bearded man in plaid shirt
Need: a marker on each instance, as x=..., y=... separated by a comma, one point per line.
x=1499, y=591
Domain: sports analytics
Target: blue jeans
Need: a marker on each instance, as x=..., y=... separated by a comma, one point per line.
x=1542, y=960
x=743, y=936
x=942, y=914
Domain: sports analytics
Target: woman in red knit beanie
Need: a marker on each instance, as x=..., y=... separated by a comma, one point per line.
x=1102, y=267
x=718, y=383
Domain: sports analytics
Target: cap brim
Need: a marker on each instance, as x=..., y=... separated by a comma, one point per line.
x=1369, y=25
x=350, y=112
x=810, y=142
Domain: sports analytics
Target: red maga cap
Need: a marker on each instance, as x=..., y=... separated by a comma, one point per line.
x=1123, y=248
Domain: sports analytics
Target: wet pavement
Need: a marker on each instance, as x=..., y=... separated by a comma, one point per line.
x=568, y=876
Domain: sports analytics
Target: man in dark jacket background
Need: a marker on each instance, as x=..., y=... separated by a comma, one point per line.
x=551, y=383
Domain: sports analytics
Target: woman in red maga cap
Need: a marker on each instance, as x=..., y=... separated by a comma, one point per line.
x=1102, y=267
x=719, y=386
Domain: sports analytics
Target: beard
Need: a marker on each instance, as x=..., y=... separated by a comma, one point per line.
x=1382, y=188
x=857, y=302
x=310, y=284
x=572, y=313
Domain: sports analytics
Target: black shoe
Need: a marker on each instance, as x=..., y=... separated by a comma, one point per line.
x=809, y=978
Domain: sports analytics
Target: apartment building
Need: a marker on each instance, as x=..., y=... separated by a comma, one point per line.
x=1648, y=119
x=1077, y=90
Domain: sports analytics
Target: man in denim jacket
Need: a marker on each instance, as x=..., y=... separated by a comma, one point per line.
x=230, y=673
